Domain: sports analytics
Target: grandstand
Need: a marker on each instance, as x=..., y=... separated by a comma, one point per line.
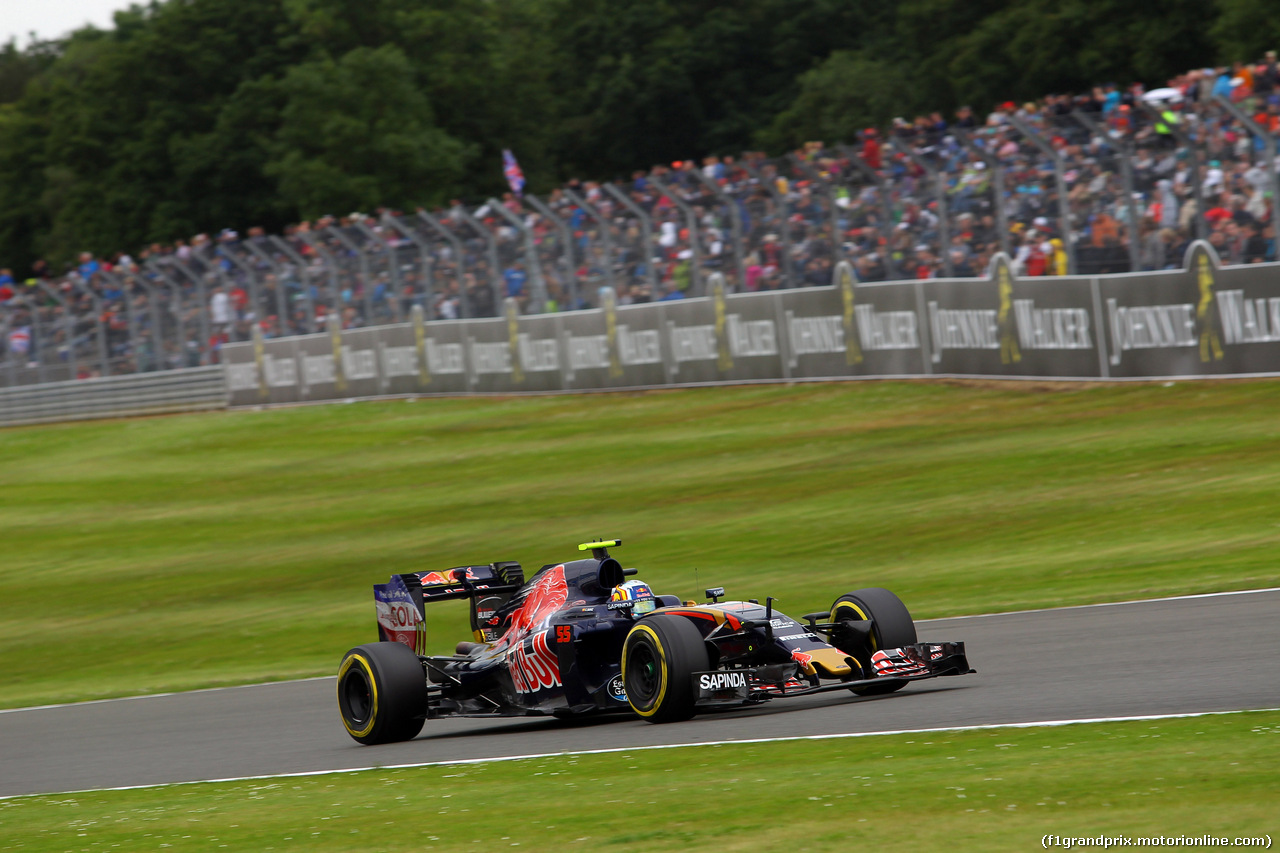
x=1112, y=181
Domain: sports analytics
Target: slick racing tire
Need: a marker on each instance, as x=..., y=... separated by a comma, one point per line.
x=892, y=627
x=382, y=693
x=659, y=657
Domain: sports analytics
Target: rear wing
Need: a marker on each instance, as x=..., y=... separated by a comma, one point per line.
x=401, y=602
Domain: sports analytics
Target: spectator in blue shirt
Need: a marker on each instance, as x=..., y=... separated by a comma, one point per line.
x=515, y=277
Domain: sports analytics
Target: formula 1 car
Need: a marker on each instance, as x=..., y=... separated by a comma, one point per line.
x=579, y=638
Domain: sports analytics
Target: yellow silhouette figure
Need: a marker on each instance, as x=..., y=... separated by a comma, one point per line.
x=420, y=340
x=1207, y=311
x=513, y=341
x=724, y=359
x=335, y=338
x=259, y=359
x=1009, y=352
x=611, y=333
x=852, y=349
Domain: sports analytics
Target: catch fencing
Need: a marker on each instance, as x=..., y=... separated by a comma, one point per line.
x=1202, y=321
x=1112, y=192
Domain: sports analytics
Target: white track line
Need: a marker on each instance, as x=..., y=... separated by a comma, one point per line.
x=920, y=621
x=160, y=695
x=1107, y=604
x=643, y=747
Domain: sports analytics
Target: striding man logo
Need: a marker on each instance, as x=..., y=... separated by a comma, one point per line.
x=420, y=343
x=1207, y=309
x=513, y=340
x=609, y=302
x=335, y=339
x=260, y=360
x=845, y=281
x=1005, y=322
x=724, y=356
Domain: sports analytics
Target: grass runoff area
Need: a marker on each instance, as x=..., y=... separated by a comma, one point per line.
x=998, y=789
x=193, y=551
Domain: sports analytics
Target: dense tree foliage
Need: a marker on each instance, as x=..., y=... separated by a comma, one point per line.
x=193, y=115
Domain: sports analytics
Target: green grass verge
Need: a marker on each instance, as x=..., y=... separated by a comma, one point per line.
x=180, y=552
x=999, y=789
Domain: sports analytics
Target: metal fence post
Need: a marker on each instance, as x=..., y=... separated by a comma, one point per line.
x=154, y=318
x=130, y=314
x=304, y=277
x=428, y=263
x=735, y=223
x=539, y=294
x=6, y=354
x=282, y=305
x=886, y=208
x=461, y=214
x=997, y=185
x=221, y=250
x=68, y=330
x=460, y=257
x=1201, y=229
x=1124, y=153
x=1059, y=179
x=691, y=222
x=313, y=239
x=1269, y=152
x=98, y=311
x=180, y=336
x=939, y=179
x=365, y=283
x=393, y=269
x=203, y=296
x=788, y=262
x=646, y=232
x=566, y=241
x=605, y=235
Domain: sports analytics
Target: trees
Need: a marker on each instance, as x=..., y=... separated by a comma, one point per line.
x=357, y=133
x=192, y=115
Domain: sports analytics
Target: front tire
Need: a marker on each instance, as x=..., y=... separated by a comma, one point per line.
x=659, y=658
x=382, y=693
x=891, y=627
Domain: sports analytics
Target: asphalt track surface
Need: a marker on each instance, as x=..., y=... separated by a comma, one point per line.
x=1210, y=653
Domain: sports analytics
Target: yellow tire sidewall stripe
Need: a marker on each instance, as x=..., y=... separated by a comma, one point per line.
x=861, y=615
x=373, y=692
x=662, y=669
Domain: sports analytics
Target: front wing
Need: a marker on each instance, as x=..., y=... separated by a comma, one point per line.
x=915, y=662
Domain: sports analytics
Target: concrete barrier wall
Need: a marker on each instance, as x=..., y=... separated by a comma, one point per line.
x=1200, y=321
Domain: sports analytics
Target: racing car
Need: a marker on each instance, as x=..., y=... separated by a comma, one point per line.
x=579, y=638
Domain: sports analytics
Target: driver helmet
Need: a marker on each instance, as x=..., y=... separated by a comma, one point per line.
x=637, y=591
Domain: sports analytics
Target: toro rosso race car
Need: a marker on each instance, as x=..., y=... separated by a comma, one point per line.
x=579, y=638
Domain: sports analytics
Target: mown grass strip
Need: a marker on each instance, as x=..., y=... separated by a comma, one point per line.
x=998, y=789
x=227, y=548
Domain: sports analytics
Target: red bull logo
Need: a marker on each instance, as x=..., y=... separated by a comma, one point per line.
x=545, y=596
x=805, y=660
x=535, y=668
x=432, y=578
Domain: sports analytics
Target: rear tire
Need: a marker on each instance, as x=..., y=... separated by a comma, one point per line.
x=659, y=657
x=382, y=693
x=892, y=628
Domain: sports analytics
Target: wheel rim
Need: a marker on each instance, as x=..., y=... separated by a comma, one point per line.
x=357, y=697
x=643, y=674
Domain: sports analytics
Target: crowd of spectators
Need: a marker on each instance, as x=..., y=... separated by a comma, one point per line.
x=1111, y=180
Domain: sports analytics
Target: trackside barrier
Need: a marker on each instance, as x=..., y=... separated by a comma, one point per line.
x=193, y=389
x=1201, y=321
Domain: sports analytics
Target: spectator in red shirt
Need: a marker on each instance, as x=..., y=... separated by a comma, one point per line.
x=871, y=148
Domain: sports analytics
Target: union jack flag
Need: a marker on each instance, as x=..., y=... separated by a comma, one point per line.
x=510, y=168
